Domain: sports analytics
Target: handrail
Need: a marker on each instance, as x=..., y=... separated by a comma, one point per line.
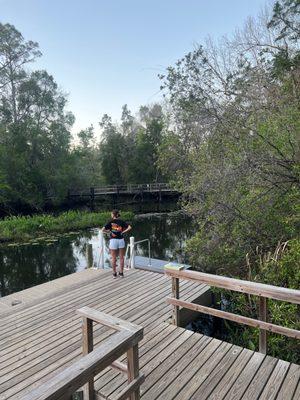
x=131, y=246
x=127, y=188
x=263, y=291
x=126, y=339
x=239, y=285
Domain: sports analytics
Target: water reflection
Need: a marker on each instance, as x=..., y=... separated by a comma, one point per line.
x=26, y=266
x=29, y=265
x=167, y=235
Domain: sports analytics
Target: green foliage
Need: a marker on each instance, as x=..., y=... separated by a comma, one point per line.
x=22, y=228
x=34, y=127
x=37, y=162
x=234, y=153
x=282, y=268
x=129, y=153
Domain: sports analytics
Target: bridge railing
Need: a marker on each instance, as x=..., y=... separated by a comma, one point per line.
x=261, y=290
x=82, y=372
x=129, y=188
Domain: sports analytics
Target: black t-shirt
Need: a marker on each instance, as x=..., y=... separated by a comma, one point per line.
x=116, y=227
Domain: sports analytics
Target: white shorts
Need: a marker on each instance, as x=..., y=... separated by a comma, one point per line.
x=115, y=244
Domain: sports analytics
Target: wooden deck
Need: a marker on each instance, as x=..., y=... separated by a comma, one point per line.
x=41, y=337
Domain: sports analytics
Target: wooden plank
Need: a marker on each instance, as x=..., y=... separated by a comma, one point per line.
x=110, y=382
x=46, y=371
x=290, y=383
x=245, y=377
x=68, y=357
x=95, y=330
x=150, y=336
x=297, y=393
x=87, y=347
x=44, y=317
x=30, y=307
x=77, y=374
x=259, y=381
x=263, y=304
x=206, y=387
x=161, y=377
x=62, y=338
x=152, y=360
x=238, y=285
x=84, y=289
x=133, y=386
x=49, y=290
x=272, y=387
x=119, y=366
x=237, y=318
x=201, y=372
x=70, y=312
x=185, y=376
x=75, y=297
x=175, y=291
x=108, y=320
x=231, y=375
x=133, y=370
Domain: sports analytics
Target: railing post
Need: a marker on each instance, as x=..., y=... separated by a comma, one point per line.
x=262, y=332
x=149, y=252
x=175, y=292
x=92, y=196
x=101, y=261
x=89, y=255
x=132, y=252
x=133, y=369
x=87, y=347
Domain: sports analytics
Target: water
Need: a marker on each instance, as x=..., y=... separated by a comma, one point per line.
x=28, y=265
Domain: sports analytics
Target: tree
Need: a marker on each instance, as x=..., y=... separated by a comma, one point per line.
x=15, y=53
x=129, y=152
x=233, y=150
x=35, y=129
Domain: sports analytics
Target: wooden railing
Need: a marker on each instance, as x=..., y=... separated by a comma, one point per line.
x=123, y=189
x=82, y=372
x=252, y=288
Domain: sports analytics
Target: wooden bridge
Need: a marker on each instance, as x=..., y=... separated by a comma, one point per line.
x=92, y=193
x=41, y=341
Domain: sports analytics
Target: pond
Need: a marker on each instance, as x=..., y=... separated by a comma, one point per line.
x=28, y=265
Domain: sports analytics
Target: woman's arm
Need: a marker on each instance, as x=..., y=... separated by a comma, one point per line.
x=127, y=229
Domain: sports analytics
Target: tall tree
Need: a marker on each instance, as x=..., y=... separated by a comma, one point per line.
x=35, y=126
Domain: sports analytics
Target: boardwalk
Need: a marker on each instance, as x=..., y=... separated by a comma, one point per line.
x=40, y=338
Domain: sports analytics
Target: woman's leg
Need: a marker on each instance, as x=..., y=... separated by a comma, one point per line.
x=113, y=254
x=121, y=255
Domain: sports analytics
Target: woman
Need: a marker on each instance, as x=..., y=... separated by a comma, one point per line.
x=116, y=228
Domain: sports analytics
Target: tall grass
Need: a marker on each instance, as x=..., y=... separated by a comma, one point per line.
x=23, y=228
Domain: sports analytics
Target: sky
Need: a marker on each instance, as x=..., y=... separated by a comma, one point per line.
x=104, y=54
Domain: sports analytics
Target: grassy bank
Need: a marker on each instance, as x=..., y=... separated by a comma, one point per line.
x=20, y=229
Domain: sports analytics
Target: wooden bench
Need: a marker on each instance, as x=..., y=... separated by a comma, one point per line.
x=82, y=372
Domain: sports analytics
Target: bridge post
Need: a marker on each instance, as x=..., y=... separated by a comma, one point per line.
x=92, y=195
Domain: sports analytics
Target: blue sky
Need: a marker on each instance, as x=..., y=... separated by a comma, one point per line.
x=108, y=53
